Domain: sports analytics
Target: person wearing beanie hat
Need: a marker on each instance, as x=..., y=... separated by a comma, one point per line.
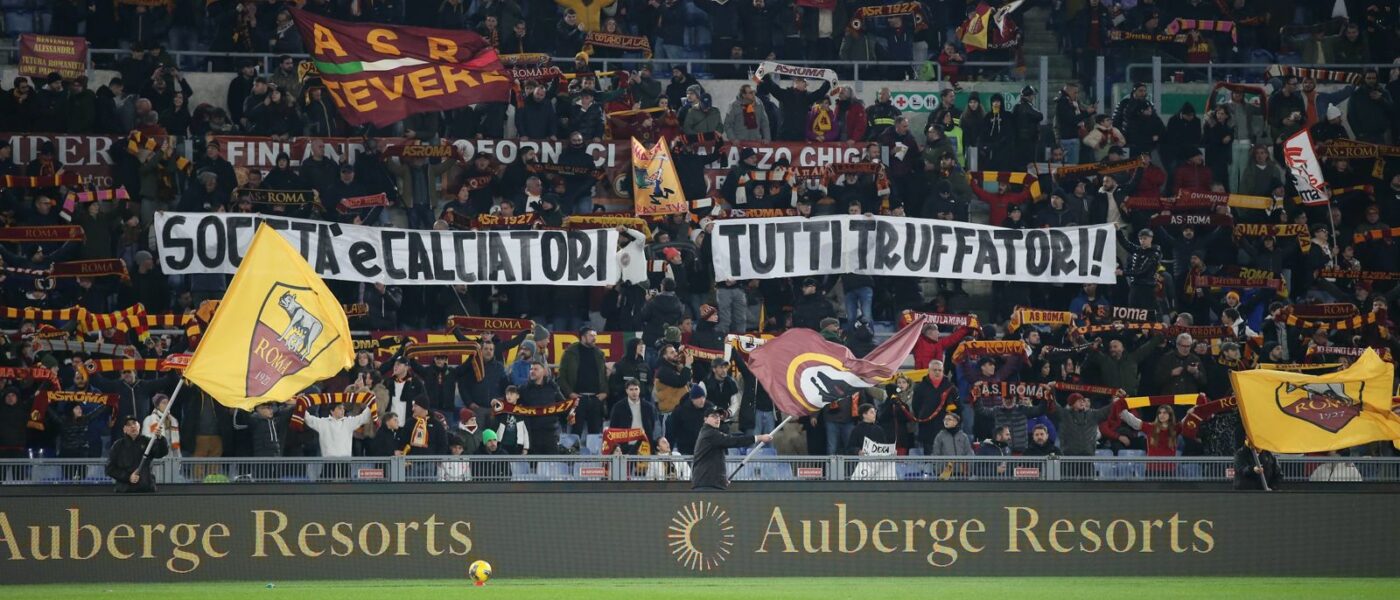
x=1025, y=128
x=1140, y=268
x=684, y=423
x=830, y=328
x=811, y=307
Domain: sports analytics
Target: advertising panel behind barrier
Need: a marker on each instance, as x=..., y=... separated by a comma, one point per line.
x=907, y=529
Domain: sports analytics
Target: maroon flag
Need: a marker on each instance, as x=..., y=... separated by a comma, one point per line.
x=803, y=372
x=380, y=74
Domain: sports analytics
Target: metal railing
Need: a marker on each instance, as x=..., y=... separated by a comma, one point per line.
x=619, y=467
x=1157, y=68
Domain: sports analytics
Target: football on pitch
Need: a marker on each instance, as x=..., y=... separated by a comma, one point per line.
x=479, y=571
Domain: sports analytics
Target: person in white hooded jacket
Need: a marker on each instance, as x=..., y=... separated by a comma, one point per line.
x=336, y=431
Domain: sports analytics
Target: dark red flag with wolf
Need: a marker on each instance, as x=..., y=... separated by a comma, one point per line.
x=803, y=372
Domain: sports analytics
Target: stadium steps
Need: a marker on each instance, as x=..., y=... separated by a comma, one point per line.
x=1040, y=41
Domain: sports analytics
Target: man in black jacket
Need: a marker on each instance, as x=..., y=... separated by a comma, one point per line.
x=795, y=102
x=1141, y=269
x=1256, y=471
x=708, y=471
x=811, y=307
x=540, y=391
x=126, y=463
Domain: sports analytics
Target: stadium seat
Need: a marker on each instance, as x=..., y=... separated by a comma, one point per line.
x=568, y=440
x=519, y=470
x=594, y=443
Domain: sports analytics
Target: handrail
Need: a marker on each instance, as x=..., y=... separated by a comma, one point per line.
x=617, y=467
x=1157, y=65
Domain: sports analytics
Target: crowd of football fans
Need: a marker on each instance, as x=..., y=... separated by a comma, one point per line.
x=1231, y=145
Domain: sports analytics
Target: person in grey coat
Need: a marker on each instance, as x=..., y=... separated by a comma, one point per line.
x=952, y=441
x=1078, y=425
x=747, y=119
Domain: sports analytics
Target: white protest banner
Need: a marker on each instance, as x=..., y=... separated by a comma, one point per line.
x=1301, y=159
x=895, y=246
x=872, y=470
x=192, y=243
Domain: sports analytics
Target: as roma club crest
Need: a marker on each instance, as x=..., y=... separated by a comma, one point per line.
x=818, y=379
x=287, y=338
x=1326, y=405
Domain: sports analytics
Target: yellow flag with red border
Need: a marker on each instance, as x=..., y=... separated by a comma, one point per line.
x=1296, y=413
x=277, y=331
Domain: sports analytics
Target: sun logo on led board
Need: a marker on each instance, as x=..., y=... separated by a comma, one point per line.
x=701, y=536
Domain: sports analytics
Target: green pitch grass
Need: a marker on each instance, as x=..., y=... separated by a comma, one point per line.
x=1020, y=588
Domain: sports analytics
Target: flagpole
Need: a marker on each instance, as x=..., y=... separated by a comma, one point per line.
x=1263, y=477
x=755, y=448
x=160, y=425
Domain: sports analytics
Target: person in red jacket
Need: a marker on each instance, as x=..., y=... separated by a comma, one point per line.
x=1151, y=181
x=850, y=113
x=933, y=345
x=998, y=202
x=1193, y=174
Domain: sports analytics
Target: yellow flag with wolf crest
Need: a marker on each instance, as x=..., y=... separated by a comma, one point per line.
x=1296, y=413
x=277, y=330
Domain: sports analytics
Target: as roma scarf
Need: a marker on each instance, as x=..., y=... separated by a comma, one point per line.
x=1106, y=168
x=305, y=401
x=42, y=234
x=501, y=407
x=1102, y=329
x=1035, y=316
x=40, y=408
x=1086, y=389
x=1335, y=310
x=1191, y=425
x=615, y=436
x=362, y=202
x=30, y=374
x=969, y=320
x=489, y=323
x=1359, y=275
x=1299, y=367
x=1018, y=390
x=1136, y=402
x=607, y=221
x=1375, y=234
x=977, y=349
x=620, y=41
x=42, y=181
x=1029, y=181
x=489, y=221
x=1353, y=323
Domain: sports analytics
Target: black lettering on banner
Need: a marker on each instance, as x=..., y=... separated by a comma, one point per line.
x=940, y=245
x=836, y=235
x=731, y=233
x=554, y=254
x=788, y=231
x=460, y=239
x=770, y=235
x=1083, y=251
x=580, y=247
x=987, y=263
x=386, y=246
x=603, y=248
x=1100, y=245
x=1008, y=238
x=814, y=231
x=1063, y=249
x=362, y=255
x=419, y=265
x=305, y=229
x=863, y=228
x=1037, y=252
x=482, y=242
x=915, y=258
x=440, y=271
x=524, y=239
x=499, y=258
x=169, y=241
x=886, y=240
x=964, y=248
x=326, y=263
x=210, y=230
